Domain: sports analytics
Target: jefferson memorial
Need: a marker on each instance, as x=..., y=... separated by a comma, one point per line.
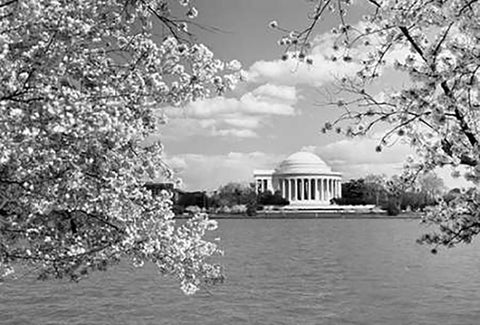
x=303, y=179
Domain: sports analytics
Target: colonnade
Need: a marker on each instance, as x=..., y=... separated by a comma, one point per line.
x=264, y=184
x=310, y=189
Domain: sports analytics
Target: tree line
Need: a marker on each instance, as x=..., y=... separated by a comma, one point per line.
x=390, y=194
x=393, y=194
x=234, y=197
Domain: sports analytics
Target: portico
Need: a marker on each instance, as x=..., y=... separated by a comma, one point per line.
x=303, y=179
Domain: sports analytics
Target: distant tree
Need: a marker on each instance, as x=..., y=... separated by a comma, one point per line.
x=198, y=198
x=413, y=192
x=269, y=198
x=396, y=188
x=234, y=194
x=375, y=188
x=355, y=192
x=392, y=194
x=432, y=186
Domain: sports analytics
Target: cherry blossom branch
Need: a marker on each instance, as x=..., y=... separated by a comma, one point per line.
x=7, y=3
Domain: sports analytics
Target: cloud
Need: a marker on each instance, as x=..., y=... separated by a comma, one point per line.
x=235, y=117
x=266, y=99
x=323, y=70
x=246, y=122
x=245, y=133
x=290, y=72
x=272, y=92
x=209, y=172
x=356, y=157
x=361, y=150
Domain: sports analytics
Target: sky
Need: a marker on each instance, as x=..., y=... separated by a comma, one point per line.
x=279, y=110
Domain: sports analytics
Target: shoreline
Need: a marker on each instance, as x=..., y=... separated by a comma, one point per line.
x=311, y=215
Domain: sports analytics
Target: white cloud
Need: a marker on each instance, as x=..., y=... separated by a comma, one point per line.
x=237, y=117
x=361, y=150
x=247, y=122
x=290, y=72
x=238, y=133
x=357, y=157
x=208, y=172
x=177, y=163
x=275, y=92
x=256, y=104
x=323, y=70
x=354, y=158
x=266, y=99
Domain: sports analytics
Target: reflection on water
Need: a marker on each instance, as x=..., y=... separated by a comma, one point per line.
x=278, y=272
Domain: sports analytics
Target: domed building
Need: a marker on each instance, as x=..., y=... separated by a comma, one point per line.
x=303, y=179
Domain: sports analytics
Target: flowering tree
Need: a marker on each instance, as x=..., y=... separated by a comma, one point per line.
x=79, y=83
x=436, y=44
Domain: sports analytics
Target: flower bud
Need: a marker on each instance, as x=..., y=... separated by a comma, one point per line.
x=273, y=24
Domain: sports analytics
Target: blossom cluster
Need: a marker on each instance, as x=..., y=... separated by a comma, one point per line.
x=79, y=85
x=436, y=45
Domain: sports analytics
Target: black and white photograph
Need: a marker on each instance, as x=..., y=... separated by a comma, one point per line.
x=230, y=162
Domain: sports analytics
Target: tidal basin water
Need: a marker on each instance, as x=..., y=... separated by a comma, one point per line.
x=323, y=271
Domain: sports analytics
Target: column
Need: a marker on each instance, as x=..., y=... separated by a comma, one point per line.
x=299, y=189
x=334, y=188
x=313, y=188
x=287, y=184
x=322, y=190
x=319, y=189
x=330, y=187
x=327, y=190
x=289, y=190
x=306, y=188
x=293, y=184
x=304, y=197
x=292, y=190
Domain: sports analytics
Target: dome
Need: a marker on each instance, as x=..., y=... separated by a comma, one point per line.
x=303, y=162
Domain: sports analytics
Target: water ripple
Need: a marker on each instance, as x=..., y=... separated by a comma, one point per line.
x=278, y=272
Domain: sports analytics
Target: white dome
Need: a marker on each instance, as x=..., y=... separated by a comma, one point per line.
x=303, y=162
